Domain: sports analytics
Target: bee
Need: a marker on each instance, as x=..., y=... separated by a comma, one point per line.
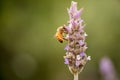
x=59, y=34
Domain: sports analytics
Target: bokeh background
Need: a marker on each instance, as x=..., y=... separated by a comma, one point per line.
x=29, y=51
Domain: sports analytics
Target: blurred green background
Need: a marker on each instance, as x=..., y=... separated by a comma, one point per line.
x=29, y=51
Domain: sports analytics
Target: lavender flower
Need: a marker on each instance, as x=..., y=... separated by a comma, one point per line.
x=107, y=69
x=76, y=56
x=76, y=47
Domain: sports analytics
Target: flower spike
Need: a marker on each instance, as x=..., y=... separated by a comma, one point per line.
x=75, y=57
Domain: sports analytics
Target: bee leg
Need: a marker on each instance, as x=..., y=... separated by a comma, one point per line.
x=65, y=39
x=61, y=41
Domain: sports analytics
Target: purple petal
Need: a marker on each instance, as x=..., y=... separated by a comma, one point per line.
x=68, y=29
x=77, y=63
x=78, y=36
x=82, y=54
x=81, y=28
x=66, y=61
x=81, y=42
x=66, y=47
x=74, y=23
x=73, y=7
x=78, y=13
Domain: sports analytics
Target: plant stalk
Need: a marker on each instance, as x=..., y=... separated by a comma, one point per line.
x=76, y=76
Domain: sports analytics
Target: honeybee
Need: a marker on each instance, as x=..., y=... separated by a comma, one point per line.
x=59, y=34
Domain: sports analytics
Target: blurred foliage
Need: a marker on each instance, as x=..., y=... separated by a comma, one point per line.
x=28, y=50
